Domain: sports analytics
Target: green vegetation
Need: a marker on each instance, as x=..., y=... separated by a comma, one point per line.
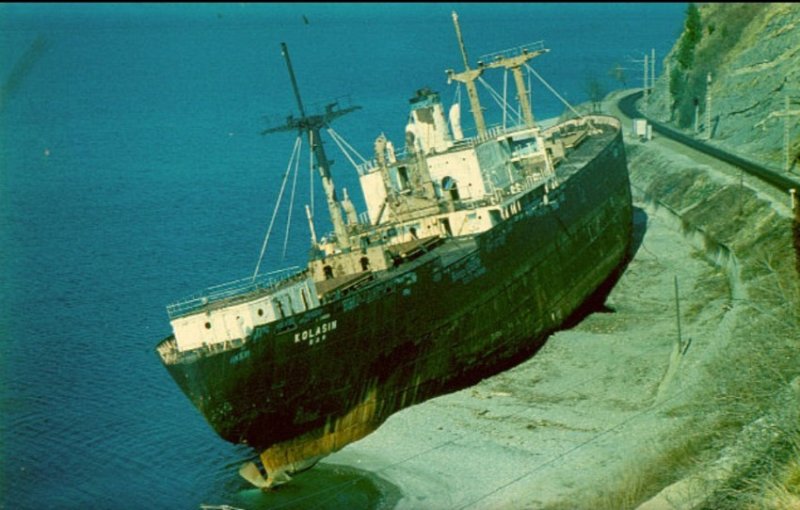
x=690, y=38
x=595, y=90
x=701, y=53
x=692, y=33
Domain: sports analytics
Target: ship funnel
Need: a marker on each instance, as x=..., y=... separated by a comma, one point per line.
x=455, y=121
x=429, y=124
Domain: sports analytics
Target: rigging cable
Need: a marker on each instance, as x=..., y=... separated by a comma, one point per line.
x=291, y=201
x=295, y=153
x=499, y=100
x=363, y=160
x=505, y=99
x=532, y=70
x=343, y=145
x=311, y=170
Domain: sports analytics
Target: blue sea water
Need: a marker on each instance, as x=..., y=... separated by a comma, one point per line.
x=133, y=172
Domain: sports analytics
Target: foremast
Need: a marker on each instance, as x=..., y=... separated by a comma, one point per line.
x=506, y=59
x=310, y=125
x=468, y=77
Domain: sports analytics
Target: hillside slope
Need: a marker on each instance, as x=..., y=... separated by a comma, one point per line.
x=752, y=52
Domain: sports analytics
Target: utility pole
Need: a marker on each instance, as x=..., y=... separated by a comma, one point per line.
x=678, y=314
x=668, y=95
x=708, y=107
x=652, y=68
x=786, y=113
x=645, y=74
x=646, y=97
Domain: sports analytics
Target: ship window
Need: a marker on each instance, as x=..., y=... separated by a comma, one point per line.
x=328, y=272
x=208, y=325
x=402, y=174
x=449, y=184
x=364, y=264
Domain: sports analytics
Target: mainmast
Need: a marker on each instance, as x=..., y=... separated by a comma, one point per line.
x=468, y=77
x=507, y=60
x=311, y=125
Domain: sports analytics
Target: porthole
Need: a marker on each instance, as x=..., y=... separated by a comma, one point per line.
x=208, y=325
x=260, y=312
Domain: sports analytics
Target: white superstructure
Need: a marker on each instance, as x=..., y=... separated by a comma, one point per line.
x=227, y=313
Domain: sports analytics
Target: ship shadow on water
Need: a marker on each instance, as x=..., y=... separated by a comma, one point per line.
x=326, y=486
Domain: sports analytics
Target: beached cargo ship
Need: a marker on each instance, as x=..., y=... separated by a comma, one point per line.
x=471, y=252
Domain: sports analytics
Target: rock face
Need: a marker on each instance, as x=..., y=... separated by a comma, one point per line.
x=752, y=52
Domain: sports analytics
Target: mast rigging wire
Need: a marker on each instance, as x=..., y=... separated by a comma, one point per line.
x=500, y=101
x=295, y=153
x=311, y=169
x=551, y=89
x=342, y=143
x=505, y=99
x=291, y=204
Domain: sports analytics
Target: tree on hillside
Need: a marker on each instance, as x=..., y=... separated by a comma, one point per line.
x=618, y=73
x=692, y=33
x=682, y=74
x=595, y=90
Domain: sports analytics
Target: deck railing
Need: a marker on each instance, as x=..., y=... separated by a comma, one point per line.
x=228, y=290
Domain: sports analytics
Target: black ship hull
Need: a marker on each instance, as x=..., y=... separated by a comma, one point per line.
x=307, y=385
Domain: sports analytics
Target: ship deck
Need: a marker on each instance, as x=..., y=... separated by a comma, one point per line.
x=588, y=149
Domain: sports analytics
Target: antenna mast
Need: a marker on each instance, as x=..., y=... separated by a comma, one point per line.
x=311, y=126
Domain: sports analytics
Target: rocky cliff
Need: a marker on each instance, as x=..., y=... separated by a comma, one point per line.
x=752, y=53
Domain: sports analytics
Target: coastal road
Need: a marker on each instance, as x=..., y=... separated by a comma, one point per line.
x=626, y=106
